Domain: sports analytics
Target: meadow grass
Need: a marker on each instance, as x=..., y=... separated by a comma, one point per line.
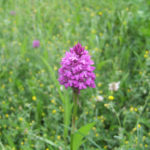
x=35, y=111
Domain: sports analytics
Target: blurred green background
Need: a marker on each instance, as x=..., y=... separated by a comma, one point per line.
x=116, y=34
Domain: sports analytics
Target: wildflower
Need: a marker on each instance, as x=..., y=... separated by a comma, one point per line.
x=76, y=70
x=53, y=101
x=99, y=98
x=58, y=137
x=6, y=115
x=144, y=137
x=94, y=128
x=131, y=109
x=97, y=75
x=129, y=90
x=43, y=114
x=10, y=72
x=135, y=109
x=55, y=68
x=111, y=98
x=134, y=129
x=147, y=52
x=145, y=55
x=61, y=109
x=92, y=14
x=100, y=34
x=20, y=119
x=51, y=86
x=139, y=126
x=93, y=31
x=36, y=43
x=27, y=60
x=54, y=111
x=10, y=80
x=68, y=41
x=99, y=84
x=13, y=13
x=42, y=70
x=124, y=22
x=34, y=10
x=100, y=13
x=41, y=85
x=100, y=91
x=106, y=105
x=146, y=145
x=3, y=86
x=114, y=86
x=61, y=88
x=141, y=145
x=34, y=98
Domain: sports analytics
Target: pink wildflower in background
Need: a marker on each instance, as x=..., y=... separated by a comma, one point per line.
x=36, y=43
x=13, y=13
x=76, y=70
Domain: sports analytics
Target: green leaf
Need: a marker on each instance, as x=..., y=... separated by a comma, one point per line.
x=2, y=146
x=77, y=137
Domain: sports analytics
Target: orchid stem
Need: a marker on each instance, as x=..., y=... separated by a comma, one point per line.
x=74, y=115
x=75, y=108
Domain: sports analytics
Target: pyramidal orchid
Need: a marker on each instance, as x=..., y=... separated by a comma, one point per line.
x=76, y=72
x=36, y=43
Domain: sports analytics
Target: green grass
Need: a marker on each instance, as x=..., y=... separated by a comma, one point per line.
x=117, y=35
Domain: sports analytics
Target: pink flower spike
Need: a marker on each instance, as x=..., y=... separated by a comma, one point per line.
x=76, y=70
x=36, y=43
x=13, y=13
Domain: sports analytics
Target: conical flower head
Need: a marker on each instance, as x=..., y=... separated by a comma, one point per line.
x=76, y=70
x=78, y=49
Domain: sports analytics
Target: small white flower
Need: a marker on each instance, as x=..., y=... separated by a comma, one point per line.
x=60, y=148
x=61, y=88
x=99, y=98
x=114, y=86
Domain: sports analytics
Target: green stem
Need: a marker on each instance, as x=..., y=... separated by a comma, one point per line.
x=75, y=107
x=74, y=115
